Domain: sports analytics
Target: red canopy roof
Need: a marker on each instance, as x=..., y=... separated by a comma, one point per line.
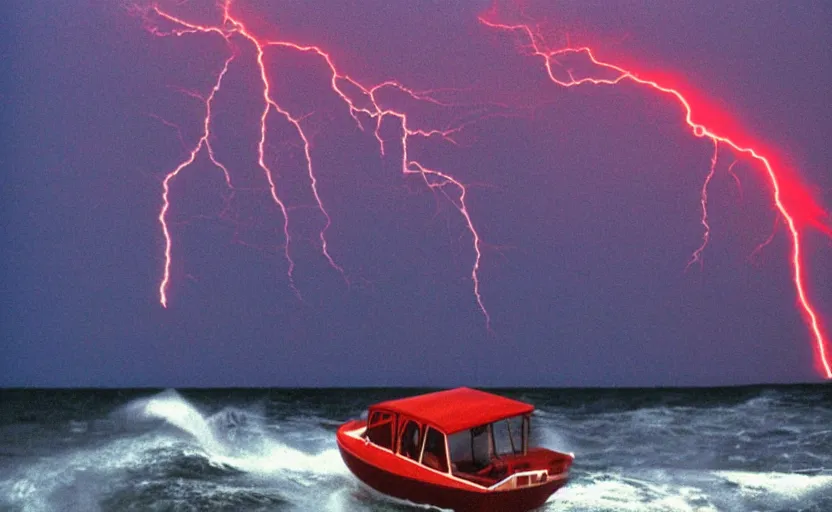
x=457, y=409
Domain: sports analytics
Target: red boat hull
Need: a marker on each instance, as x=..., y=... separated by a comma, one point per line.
x=451, y=495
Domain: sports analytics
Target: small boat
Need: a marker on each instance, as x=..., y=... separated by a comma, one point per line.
x=461, y=449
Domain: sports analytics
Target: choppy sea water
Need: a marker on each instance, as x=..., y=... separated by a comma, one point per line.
x=721, y=449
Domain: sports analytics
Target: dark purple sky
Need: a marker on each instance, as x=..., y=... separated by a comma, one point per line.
x=587, y=200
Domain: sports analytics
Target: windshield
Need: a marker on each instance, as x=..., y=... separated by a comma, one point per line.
x=508, y=436
x=473, y=449
x=470, y=449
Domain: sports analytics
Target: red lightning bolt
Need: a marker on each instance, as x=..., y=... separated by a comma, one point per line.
x=202, y=142
x=703, y=199
x=793, y=202
x=367, y=104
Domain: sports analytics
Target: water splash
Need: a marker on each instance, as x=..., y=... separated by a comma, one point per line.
x=170, y=407
x=235, y=437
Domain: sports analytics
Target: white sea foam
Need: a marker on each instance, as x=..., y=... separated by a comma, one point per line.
x=787, y=485
x=278, y=457
x=74, y=479
x=354, y=497
x=656, y=492
x=689, y=491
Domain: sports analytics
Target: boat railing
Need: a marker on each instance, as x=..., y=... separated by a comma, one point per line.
x=521, y=479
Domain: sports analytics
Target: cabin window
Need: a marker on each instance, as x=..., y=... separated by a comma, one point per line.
x=434, y=455
x=410, y=440
x=481, y=445
x=380, y=429
x=508, y=436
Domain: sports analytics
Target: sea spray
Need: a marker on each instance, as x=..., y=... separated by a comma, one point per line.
x=234, y=437
x=170, y=407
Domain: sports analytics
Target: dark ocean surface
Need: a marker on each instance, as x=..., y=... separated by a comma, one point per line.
x=719, y=449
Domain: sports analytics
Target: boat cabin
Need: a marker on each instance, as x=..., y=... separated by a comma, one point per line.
x=466, y=433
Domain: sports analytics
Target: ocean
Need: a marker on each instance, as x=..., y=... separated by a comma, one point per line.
x=766, y=448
